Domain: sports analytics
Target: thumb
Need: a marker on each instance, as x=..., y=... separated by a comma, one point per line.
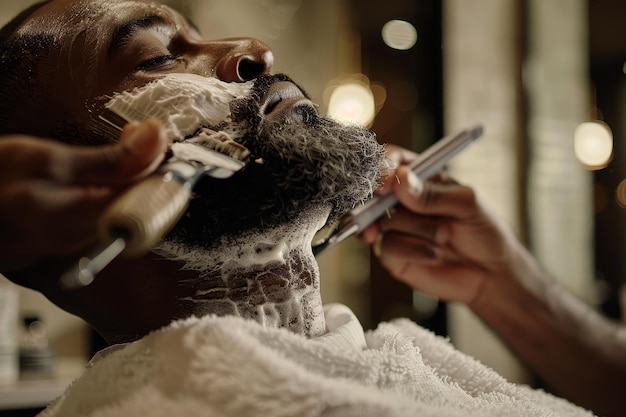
x=140, y=150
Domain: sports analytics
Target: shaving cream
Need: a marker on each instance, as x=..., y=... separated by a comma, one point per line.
x=276, y=267
x=182, y=102
x=266, y=271
x=251, y=249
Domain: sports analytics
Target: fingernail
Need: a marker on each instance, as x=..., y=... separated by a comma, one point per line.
x=415, y=184
x=128, y=130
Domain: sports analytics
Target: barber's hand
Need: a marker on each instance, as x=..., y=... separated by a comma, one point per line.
x=440, y=239
x=51, y=194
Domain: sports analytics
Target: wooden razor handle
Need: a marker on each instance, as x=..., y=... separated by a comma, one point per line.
x=145, y=213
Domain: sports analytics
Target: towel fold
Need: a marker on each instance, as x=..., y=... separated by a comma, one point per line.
x=228, y=366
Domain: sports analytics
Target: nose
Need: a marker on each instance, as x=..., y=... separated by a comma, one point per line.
x=244, y=60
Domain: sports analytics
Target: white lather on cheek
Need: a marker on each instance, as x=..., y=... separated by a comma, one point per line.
x=182, y=102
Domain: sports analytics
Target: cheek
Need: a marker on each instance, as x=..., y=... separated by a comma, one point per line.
x=200, y=64
x=57, y=99
x=111, y=84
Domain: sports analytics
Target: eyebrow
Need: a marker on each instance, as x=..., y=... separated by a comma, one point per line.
x=127, y=29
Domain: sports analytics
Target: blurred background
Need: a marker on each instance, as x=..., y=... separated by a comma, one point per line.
x=545, y=78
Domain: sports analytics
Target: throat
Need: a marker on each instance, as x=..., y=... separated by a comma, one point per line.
x=269, y=276
x=276, y=295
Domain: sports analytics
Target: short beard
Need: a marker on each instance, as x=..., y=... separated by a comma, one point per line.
x=318, y=162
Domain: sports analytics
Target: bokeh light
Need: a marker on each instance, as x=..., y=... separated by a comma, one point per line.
x=352, y=103
x=593, y=144
x=620, y=194
x=399, y=34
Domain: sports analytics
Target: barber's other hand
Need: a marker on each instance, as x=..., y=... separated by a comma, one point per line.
x=51, y=194
x=440, y=239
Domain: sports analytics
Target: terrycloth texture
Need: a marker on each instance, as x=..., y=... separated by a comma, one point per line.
x=227, y=366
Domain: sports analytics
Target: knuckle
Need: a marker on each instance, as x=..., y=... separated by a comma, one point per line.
x=469, y=195
x=52, y=163
x=429, y=195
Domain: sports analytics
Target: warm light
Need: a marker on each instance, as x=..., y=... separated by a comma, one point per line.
x=352, y=103
x=620, y=194
x=624, y=68
x=380, y=95
x=399, y=34
x=593, y=144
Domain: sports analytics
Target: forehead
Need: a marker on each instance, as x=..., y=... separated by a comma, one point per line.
x=62, y=18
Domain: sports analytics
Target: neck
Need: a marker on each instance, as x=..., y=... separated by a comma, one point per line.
x=269, y=276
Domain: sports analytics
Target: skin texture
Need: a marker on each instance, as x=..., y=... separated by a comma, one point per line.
x=85, y=69
x=441, y=241
x=89, y=65
x=52, y=181
x=444, y=242
x=106, y=47
x=79, y=73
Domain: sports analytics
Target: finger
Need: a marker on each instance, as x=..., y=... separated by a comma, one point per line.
x=49, y=197
x=370, y=234
x=428, y=268
x=444, y=178
x=71, y=215
x=389, y=181
x=395, y=157
x=448, y=282
x=394, y=245
x=433, y=229
x=444, y=199
x=141, y=149
x=399, y=156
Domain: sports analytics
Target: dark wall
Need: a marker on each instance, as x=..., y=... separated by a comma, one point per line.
x=411, y=117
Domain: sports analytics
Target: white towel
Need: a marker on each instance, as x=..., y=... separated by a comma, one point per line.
x=228, y=366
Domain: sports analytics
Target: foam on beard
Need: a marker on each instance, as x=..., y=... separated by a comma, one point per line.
x=307, y=165
x=182, y=102
x=251, y=249
x=290, y=299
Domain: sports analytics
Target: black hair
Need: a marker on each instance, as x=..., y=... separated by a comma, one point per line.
x=20, y=57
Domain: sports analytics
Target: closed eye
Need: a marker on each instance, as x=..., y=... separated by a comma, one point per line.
x=157, y=62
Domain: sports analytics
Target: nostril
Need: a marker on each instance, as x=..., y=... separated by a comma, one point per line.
x=249, y=69
x=244, y=61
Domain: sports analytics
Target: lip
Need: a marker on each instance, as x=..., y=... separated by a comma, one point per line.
x=283, y=101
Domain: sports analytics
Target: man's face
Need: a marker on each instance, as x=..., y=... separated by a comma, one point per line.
x=112, y=46
x=115, y=45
